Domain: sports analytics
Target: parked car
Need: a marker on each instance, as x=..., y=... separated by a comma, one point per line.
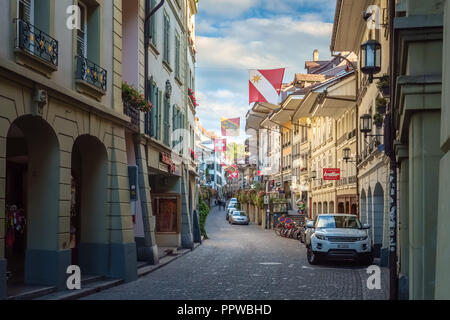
x=338, y=237
x=229, y=213
x=234, y=205
x=239, y=217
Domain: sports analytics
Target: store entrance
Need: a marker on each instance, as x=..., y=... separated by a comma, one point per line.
x=15, y=202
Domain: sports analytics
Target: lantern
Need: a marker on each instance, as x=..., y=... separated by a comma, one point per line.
x=371, y=58
x=346, y=153
x=366, y=123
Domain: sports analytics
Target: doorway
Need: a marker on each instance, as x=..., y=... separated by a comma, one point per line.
x=31, y=202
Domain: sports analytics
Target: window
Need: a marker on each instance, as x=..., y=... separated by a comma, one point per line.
x=177, y=56
x=152, y=26
x=166, y=39
x=82, y=32
x=25, y=10
x=153, y=118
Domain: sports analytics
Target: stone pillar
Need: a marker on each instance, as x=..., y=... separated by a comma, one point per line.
x=187, y=241
x=424, y=155
x=4, y=126
x=443, y=235
x=403, y=245
x=147, y=249
x=122, y=259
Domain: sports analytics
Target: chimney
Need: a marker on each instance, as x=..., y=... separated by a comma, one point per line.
x=316, y=55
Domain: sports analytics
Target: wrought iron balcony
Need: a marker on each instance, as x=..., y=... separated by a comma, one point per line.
x=36, y=43
x=91, y=73
x=133, y=113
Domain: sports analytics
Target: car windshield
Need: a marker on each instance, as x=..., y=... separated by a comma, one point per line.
x=239, y=213
x=338, y=222
x=232, y=205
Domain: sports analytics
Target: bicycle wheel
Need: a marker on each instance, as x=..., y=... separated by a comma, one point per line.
x=277, y=231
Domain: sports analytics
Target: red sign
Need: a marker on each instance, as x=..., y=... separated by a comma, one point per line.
x=332, y=174
x=259, y=173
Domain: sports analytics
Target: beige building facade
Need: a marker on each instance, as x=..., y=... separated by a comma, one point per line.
x=63, y=159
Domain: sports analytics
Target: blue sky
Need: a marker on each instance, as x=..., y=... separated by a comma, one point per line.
x=236, y=35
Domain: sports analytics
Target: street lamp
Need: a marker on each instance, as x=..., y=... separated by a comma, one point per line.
x=371, y=58
x=346, y=153
x=366, y=123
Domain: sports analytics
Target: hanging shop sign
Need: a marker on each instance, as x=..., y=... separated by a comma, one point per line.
x=167, y=159
x=332, y=174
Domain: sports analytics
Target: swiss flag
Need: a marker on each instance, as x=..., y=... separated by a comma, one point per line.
x=220, y=145
x=265, y=85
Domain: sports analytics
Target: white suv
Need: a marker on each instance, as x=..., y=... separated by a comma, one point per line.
x=338, y=237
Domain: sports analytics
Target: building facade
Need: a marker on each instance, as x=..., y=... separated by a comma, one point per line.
x=63, y=147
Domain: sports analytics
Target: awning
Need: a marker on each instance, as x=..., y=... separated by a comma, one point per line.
x=303, y=110
x=257, y=114
x=337, y=99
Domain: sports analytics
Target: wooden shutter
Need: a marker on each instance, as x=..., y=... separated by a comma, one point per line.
x=25, y=10
x=82, y=33
x=152, y=24
x=166, y=38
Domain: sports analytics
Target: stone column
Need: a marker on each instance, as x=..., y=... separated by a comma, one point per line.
x=4, y=126
x=424, y=155
x=403, y=245
x=147, y=249
x=122, y=259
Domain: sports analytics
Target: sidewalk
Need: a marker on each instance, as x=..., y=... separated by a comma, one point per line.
x=98, y=284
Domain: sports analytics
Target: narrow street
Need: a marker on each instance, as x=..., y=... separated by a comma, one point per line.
x=246, y=262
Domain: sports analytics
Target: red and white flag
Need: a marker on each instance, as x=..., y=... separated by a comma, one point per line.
x=265, y=85
x=220, y=145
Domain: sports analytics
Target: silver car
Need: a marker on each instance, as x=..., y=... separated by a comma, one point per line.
x=239, y=217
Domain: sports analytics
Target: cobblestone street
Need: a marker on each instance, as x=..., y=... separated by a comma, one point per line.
x=246, y=262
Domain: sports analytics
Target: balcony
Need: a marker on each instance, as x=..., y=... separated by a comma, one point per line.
x=133, y=113
x=352, y=134
x=90, y=78
x=35, y=48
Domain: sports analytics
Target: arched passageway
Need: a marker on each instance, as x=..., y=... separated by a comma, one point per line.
x=89, y=220
x=31, y=201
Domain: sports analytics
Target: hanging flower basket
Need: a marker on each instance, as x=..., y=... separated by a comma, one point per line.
x=133, y=97
x=191, y=95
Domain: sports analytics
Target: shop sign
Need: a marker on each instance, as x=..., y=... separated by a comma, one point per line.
x=332, y=174
x=166, y=158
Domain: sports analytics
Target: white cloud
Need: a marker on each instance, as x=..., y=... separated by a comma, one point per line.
x=223, y=60
x=226, y=8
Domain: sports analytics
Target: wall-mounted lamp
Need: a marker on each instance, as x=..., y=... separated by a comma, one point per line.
x=371, y=58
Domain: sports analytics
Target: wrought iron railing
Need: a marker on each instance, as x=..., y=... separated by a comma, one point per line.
x=133, y=113
x=36, y=42
x=91, y=73
x=352, y=134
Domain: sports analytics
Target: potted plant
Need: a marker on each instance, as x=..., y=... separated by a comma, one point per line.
x=378, y=119
x=381, y=105
x=134, y=98
x=383, y=85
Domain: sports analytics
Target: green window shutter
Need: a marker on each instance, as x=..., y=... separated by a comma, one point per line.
x=152, y=24
x=166, y=38
x=177, y=56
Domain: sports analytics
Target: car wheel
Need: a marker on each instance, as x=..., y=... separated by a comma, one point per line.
x=313, y=259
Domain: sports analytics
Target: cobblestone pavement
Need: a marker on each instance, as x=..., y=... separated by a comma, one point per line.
x=247, y=262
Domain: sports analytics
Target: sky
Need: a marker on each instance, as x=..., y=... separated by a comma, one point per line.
x=233, y=36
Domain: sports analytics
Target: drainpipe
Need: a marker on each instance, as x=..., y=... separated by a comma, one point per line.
x=147, y=36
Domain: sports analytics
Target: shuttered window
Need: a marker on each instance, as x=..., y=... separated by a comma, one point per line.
x=166, y=39
x=25, y=10
x=166, y=122
x=177, y=56
x=153, y=24
x=82, y=32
